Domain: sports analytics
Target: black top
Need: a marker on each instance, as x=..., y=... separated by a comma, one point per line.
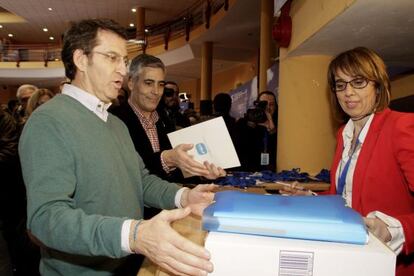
x=152, y=160
x=252, y=141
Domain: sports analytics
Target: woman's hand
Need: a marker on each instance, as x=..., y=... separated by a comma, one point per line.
x=294, y=189
x=378, y=228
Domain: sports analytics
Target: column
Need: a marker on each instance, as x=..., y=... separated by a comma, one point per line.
x=206, y=70
x=140, y=23
x=266, y=16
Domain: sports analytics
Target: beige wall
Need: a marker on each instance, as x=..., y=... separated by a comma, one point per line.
x=309, y=16
x=192, y=87
x=402, y=87
x=306, y=135
x=223, y=81
x=228, y=80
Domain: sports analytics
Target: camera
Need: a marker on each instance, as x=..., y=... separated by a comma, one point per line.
x=257, y=114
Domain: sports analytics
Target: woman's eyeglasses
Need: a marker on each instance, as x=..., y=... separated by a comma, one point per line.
x=357, y=83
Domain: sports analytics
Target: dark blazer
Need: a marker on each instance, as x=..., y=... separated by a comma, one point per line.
x=384, y=176
x=251, y=142
x=143, y=145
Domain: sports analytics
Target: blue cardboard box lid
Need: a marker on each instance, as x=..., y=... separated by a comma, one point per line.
x=324, y=218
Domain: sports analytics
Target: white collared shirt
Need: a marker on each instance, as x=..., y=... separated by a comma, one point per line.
x=347, y=136
x=88, y=100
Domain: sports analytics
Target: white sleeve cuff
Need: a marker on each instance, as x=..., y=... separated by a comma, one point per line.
x=178, y=195
x=394, y=226
x=126, y=226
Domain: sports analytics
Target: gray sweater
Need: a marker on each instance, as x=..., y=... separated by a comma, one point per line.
x=83, y=179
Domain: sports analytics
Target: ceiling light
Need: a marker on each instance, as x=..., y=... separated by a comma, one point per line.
x=1, y=26
x=131, y=24
x=51, y=38
x=134, y=10
x=146, y=30
x=50, y=9
x=10, y=35
x=45, y=29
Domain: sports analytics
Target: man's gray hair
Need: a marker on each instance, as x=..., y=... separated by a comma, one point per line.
x=24, y=87
x=141, y=61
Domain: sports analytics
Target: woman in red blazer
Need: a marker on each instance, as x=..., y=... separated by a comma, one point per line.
x=373, y=167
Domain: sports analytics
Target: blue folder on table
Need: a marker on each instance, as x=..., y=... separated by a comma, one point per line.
x=323, y=218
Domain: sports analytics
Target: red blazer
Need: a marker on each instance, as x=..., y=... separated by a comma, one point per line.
x=384, y=176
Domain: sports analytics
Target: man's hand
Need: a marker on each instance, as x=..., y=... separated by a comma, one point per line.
x=164, y=246
x=378, y=228
x=179, y=157
x=269, y=124
x=214, y=172
x=198, y=198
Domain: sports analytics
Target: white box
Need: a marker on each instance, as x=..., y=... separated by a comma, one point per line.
x=250, y=255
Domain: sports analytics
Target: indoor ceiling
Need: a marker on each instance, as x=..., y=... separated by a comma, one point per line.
x=26, y=19
x=383, y=25
x=386, y=26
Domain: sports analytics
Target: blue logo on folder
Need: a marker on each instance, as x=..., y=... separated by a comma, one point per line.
x=201, y=148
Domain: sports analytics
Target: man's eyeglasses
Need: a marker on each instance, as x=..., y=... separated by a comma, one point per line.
x=115, y=58
x=357, y=83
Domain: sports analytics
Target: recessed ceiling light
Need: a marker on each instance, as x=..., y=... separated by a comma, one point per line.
x=10, y=35
x=45, y=29
x=146, y=30
x=50, y=9
x=51, y=38
x=131, y=24
x=1, y=26
x=134, y=10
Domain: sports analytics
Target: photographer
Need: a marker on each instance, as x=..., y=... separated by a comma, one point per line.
x=169, y=108
x=257, y=134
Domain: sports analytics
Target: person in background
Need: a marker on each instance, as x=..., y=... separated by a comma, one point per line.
x=122, y=98
x=169, y=108
x=257, y=135
x=18, y=253
x=373, y=166
x=222, y=107
x=24, y=92
x=39, y=97
x=87, y=186
x=8, y=151
x=147, y=129
x=61, y=84
x=192, y=116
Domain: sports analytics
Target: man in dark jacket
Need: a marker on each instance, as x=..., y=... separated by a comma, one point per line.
x=149, y=132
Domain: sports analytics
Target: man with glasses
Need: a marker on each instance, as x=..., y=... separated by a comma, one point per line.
x=87, y=186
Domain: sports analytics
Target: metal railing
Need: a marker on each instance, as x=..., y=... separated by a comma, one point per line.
x=198, y=14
